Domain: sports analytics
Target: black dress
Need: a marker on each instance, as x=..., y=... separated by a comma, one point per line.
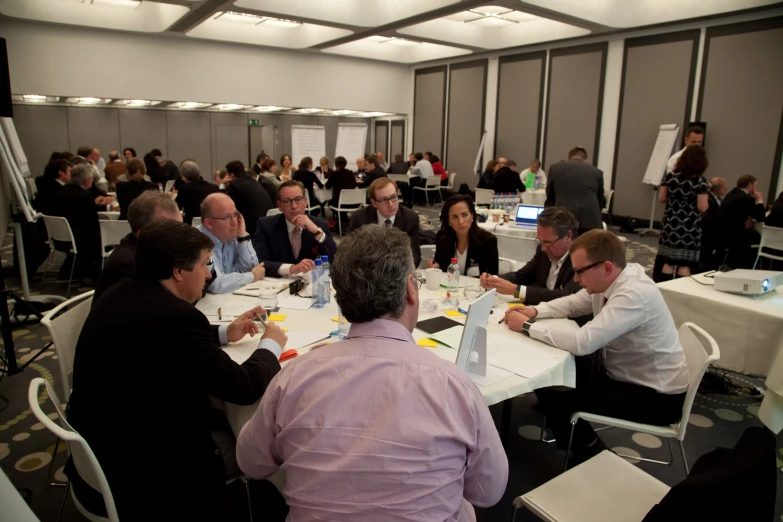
x=680, y=242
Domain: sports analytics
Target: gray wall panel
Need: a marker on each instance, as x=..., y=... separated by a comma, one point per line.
x=188, y=137
x=41, y=130
x=397, y=141
x=742, y=103
x=428, y=116
x=574, y=103
x=519, y=109
x=230, y=138
x=648, y=102
x=382, y=139
x=94, y=127
x=143, y=130
x=467, y=89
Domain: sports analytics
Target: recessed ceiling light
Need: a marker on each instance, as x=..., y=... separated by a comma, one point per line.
x=280, y=22
x=402, y=42
x=88, y=100
x=229, y=107
x=492, y=21
x=251, y=19
x=136, y=103
x=189, y=105
x=490, y=10
x=269, y=108
x=309, y=111
x=373, y=114
x=118, y=3
x=37, y=98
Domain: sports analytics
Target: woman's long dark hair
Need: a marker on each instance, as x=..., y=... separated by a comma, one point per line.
x=475, y=234
x=692, y=162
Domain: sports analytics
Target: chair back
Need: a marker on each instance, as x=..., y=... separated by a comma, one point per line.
x=353, y=197
x=58, y=229
x=608, y=193
x=771, y=237
x=112, y=232
x=307, y=200
x=451, y=180
x=427, y=251
x=83, y=458
x=273, y=212
x=64, y=323
x=32, y=190
x=700, y=351
x=196, y=221
x=169, y=186
x=12, y=505
x=433, y=181
x=484, y=196
x=505, y=265
x=398, y=178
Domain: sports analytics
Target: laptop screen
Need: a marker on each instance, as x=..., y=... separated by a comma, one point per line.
x=528, y=214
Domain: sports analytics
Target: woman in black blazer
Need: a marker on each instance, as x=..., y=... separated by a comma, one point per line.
x=459, y=235
x=127, y=191
x=306, y=177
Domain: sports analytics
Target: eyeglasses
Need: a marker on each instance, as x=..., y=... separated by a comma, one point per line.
x=288, y=201
x=582, y=270
x=392, y=199
x=235, y=215
x=548, y=244
x=419, y=281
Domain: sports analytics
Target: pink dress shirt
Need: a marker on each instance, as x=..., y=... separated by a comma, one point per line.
x=376, y=428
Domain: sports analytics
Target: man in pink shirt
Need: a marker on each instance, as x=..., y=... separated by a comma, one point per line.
x=375, y=427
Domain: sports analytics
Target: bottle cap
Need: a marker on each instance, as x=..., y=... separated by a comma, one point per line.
x=454, y=261
x=317, y=262
x=324, y=259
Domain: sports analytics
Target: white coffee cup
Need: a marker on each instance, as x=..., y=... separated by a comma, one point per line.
x=433, y=278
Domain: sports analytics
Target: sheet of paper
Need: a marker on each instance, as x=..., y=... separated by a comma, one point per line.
x=450, y=337
x=300, y=338
x=493, y=375
x=294, y=303
x=253, y=289
x=242, y=350
x=523, y=359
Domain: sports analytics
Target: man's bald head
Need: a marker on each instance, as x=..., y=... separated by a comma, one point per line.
x=211, y=201
x=719, y=186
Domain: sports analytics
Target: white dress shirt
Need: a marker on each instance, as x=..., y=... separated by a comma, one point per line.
x=285, y=268
x=632, y=324
x=540, y=177
x=551, y=279
x=423, y=169
x=673, y=160
x=382, y=220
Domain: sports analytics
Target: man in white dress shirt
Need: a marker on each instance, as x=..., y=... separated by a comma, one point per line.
x=694, y=136
x=535, y=168
x=646, y=376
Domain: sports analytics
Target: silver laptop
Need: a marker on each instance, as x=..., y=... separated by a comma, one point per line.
x=527, y=215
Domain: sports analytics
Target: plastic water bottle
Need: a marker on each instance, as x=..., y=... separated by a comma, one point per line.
x=326, y=281
x=452, y=276
x=315, y=291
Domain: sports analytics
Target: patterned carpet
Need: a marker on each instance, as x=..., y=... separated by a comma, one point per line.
x=26, y=448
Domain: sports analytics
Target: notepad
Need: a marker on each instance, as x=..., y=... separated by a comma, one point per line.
x=429, y=343
x=277, y=317
x=454, y=313
x=294, y=303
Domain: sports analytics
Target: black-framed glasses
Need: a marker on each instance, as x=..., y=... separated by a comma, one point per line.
x=288, y=201
x=235, y=215
x=548, y=244
x=392, y=199
x=209, y=262
x=584, y=269
x=419, y=281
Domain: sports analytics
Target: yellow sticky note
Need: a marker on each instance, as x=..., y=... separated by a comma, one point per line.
x=454, y=313
x=336, y=320
x=284, y=329
x=513, y=305
x=277, y=317
x=429, y=343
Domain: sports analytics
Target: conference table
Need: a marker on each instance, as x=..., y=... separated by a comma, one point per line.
x=316, y=325
x=517, y=243
x=534, y=197
x=748, y=330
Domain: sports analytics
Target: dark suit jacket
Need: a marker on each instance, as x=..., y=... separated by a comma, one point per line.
x=273, y=246
x=251, y=200
x=710, y=228
x=309, y=180
x=127, y=191
x=482, y=249
x=47, y=190
x=579, y=187
x=398, y=167
x=506, y=180
x=270, y=188
x=191, y=195
x=118, y=265
x=533, y=276
x=775, y=217
x=339, y=180
x=405, y=220
x=77, y=205
x=371, y=176
x=737, y=206
x=154, y=369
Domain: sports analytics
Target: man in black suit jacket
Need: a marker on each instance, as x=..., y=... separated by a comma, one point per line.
x=250, y=198
x=507, y=180
x=578, y=186
x=56, y=174
x=150, y=206
x=142, y=381
x=288, y=243
x=709, y=258
x=549, y=274
x=741, y=207
x=372, y=172
x=387, y=211
x=194, y=191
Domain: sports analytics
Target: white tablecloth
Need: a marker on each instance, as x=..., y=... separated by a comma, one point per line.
x=514, y=242
x=323, y=194
x=748, y=330
x=109, y=215
x=534, y=197
x=562, y=372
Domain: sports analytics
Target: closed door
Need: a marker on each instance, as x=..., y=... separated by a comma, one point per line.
x=263, y=139
x=397, y=140
x=382, y=137
x=232, y=144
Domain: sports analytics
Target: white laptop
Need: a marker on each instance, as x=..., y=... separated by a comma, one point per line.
x=527, y=215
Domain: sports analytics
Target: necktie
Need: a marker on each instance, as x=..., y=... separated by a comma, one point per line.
x=296, y=241
x=388, y=223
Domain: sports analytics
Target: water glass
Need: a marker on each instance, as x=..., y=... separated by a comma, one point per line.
x=267, y=297
x=473, y=292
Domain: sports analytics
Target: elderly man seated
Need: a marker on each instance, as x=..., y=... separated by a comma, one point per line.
x=376, y=427
x=235, y=262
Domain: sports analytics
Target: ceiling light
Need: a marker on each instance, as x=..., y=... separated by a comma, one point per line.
x=241, y=18
x=280, y=22
x=492, y=21
x=118, y=3
x=309, y=111
x=269, y=108
x=37, y=98
x=136, y=103
x=229, y=107
x=491, y=10
x=402, y=42
x=373, y=114
x=343, y=112
x=88, y=100
x=189, y=105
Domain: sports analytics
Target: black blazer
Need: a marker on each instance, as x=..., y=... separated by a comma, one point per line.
x=271, y=189
x=308, y=179
x=77, y=205
x=482, y=249
x=273, y=245
x=339, y=180
x=159, y=369
x=737, y=207
x=405, y=220
x=251, y=200
x=579, y=187
x=775, y=217
x=191, y=195
x=47, y=190
x=533, y=276
x=398, y=167
x=371, y=176
x=118, y=265
x=127, y=191
x=710, y=228
x=506, y=180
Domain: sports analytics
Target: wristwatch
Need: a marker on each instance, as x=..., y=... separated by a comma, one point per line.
x=320, y=231
x=516, y=294
x=241, y=239
x=526, y=326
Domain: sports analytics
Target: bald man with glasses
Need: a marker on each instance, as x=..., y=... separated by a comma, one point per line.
x=288, y=243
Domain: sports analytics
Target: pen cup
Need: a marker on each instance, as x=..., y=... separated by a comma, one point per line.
x=433, y=278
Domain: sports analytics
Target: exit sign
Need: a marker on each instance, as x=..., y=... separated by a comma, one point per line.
x=253, y=123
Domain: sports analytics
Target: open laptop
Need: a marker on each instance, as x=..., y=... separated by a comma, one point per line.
x=527, y=215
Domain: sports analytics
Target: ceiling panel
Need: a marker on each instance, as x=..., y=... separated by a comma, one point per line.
x=395, y=50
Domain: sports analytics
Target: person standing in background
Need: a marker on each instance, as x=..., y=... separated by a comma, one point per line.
x=694, y=136
x=578, y=186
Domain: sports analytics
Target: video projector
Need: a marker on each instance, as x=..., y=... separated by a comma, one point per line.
x=748, y=282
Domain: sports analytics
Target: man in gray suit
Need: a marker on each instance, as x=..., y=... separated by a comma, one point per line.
x=578, y=186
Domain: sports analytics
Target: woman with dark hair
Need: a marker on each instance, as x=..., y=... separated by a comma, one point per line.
x=460, y=237
x=154, y=170
x=286, y=172
x=306, y=177
x=411, y=160
x=489, y=175
x=129, y=190
x=269, y=171
x=439, y=170
x=685, y=193
x=129, y=153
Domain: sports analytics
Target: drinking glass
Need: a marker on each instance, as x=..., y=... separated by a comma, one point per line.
x=267, y=297
x=473, y=292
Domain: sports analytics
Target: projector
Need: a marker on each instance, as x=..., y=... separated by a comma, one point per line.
x=750, y=282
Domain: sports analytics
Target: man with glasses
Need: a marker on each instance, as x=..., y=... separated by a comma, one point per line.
x=288, y=243
x=235, y=261
x=387, y=211
x=645, y=377
x=549, y=274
